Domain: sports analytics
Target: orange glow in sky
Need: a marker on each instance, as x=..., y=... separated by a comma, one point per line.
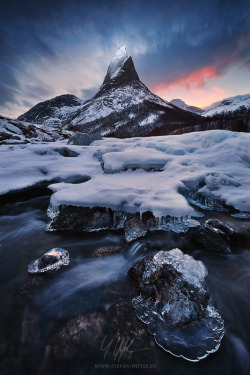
x=194, y=88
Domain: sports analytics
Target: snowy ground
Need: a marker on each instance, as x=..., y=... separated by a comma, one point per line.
x=136, y=174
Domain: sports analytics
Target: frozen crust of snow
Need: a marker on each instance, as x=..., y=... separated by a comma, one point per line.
x=161, y=167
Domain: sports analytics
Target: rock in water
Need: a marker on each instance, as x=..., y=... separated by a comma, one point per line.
x=175, y=304
x=107, y=250
x=52, y=260
x=83, y=139
x=214, y=236
x=81, y=336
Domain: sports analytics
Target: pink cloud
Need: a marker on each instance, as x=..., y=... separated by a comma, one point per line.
x=193, y=87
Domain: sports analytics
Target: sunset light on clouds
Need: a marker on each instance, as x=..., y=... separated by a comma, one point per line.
x=194, y=88
x=195, y=51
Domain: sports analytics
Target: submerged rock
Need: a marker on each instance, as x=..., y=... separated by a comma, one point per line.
x=52, y=260
x=107, y=250
x=83, y=139
x=174, y=303
x=126, y=329
x=80, y=335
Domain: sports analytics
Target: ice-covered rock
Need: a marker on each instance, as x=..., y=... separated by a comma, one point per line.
x=213, y=236
x=218, y=227
x=50, y=261
x=83, y=139
x=174, y=303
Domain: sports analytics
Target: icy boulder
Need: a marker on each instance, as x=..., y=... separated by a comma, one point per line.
x=174, y=303
x=83, y=139
x=213, y=236
x=52, y=260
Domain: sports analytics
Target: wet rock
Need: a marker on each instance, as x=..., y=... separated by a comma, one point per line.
x=214, y=236
x=174, y=303
x=83, y=139
x=123, y=321
x=127, y=331
x=31, y=285
x=52, y=260
x=107, y=250
x=126, y=328
x=80, y=336
x=134, y=227
x=218, y=227
x=83, y=219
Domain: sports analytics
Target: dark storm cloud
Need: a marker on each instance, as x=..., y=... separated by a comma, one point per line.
x=172, y=37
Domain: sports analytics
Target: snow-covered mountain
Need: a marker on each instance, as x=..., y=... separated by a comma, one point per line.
x=123, y=107
x=181, y=104
x=224, y=106
x=56, y=112
x=18, y=132
x=228, y=105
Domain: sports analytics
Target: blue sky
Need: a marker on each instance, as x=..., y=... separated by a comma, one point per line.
x=198, y=51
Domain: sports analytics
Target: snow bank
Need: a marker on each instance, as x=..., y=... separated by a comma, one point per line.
x=166, y=172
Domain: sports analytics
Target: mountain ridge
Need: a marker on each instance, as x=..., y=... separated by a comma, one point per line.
x=122, y=107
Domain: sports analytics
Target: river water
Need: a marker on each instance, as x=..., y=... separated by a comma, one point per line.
x=90, y=284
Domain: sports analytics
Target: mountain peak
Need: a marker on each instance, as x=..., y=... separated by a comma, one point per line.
x=117, y=62
x=121, y=70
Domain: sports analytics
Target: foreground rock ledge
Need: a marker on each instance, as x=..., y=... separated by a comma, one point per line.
x=86, y=219
x=174, y=303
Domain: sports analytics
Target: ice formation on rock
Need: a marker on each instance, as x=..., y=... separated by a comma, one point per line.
x=174, y=303
x=50, y=261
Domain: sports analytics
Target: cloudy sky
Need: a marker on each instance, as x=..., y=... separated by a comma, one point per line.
x=195, y=50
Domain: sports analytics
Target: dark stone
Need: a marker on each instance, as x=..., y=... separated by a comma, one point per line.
x=214, y=236
x=126, y=329
x=83, y=139
x=107, y=250
x=82, y=219
x=31, y=285
x=81, y=336
x=47, y=260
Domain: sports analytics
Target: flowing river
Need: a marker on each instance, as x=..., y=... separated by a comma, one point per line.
x=91, y=284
